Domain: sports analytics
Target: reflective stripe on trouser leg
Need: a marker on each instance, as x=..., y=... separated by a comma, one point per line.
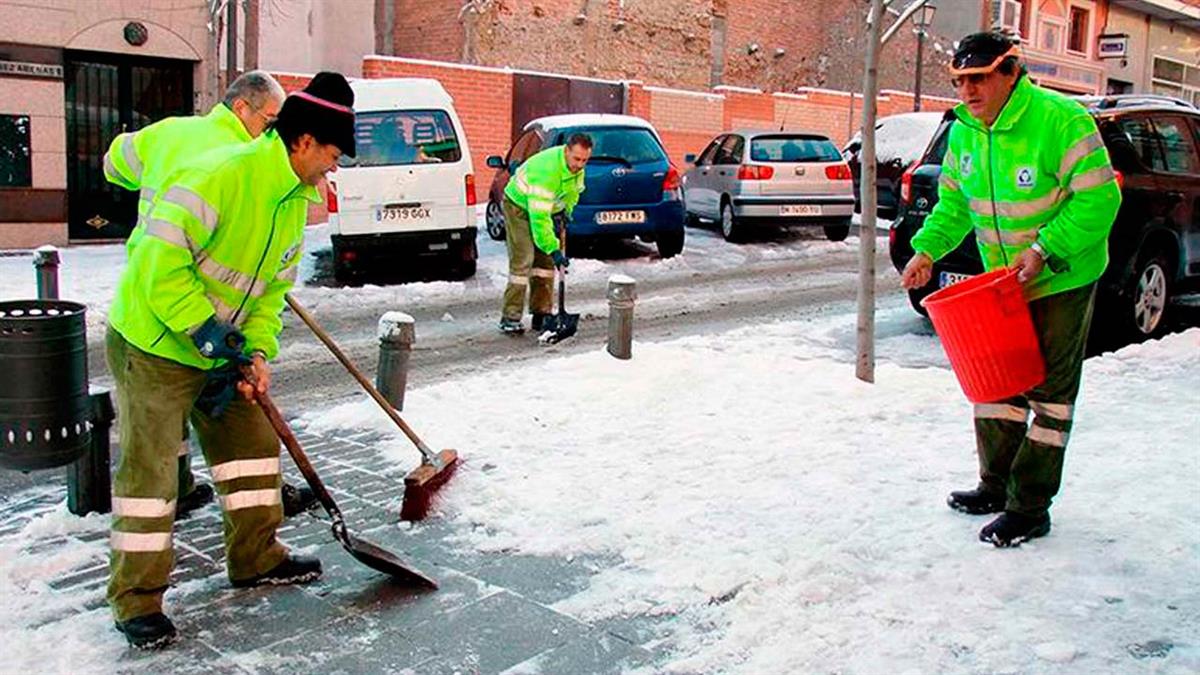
x=242, y=451
x=1062, y=322
x=518, y=238
x=153, y=399
x=999, y=429
x=541, y=282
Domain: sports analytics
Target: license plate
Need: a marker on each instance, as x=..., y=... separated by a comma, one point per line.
x=620, y=217
x=800, y=210
x=439, y=247
x=950, y=278
x=402, y=213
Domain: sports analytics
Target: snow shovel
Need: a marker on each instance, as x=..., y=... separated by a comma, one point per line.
x=369, y=554
x=435, y=469
x=559, y=327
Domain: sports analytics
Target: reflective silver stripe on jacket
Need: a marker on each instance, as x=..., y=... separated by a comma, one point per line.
x=224, y=311
x=129, y=154
x=194, y=204
x=243, y=283
x=528, y=189
x=1021, y=209
x=168, y=232
x=948, y=183
x=1008, y=237
x=1082, y=148
x=1093, y=178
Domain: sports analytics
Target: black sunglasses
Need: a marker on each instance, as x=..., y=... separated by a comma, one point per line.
x=973, y=78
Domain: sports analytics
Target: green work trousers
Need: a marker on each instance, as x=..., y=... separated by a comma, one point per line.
x=1025, y=461
x=154, y=399
x=528, y=266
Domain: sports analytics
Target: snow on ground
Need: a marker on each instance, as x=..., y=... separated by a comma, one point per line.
x=794, y=517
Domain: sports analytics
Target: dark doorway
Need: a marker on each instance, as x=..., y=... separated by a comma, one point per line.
x=536, y=96
x=107, y=94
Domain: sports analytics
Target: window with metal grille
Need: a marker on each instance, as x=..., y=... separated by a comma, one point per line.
x=15, y=167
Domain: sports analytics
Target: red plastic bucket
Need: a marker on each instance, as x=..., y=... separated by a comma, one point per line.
x=987, y=332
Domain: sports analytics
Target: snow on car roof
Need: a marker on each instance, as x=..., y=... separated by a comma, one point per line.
x=904, y=136
x=590, y=119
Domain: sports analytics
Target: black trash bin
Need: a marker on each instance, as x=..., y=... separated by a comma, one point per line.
x=45, y=411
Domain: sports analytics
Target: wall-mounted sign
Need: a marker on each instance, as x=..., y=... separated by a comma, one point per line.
x=24, y=69
x=1113, y=46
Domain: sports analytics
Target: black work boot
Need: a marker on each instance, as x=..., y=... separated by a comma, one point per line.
x=150, y=631
x=295, y=569
x=201, y=494
x=297, y=500
x=976, y=502
x=1012, y=529
x=539, y=320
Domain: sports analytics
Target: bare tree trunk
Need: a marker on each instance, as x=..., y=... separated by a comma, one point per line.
x=252, y=9
x=865, y=361
x=385, y=27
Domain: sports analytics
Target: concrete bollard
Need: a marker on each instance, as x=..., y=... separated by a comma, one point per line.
x=397, y=333
x=622, y=292
x=45, y=261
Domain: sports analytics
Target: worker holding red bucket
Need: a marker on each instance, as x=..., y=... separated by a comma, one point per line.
x=1027, y=171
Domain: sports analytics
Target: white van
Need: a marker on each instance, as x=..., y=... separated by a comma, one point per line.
x=410, y=193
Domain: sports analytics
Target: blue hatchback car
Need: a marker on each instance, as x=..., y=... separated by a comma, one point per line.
x=631, y=188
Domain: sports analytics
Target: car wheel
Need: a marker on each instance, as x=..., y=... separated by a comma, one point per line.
x=1148, y=298
x=837, y=231
x=494, y=219
x=670, y=243
x=730, y=227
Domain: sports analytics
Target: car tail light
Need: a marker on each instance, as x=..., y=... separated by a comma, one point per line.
x=755, y=172
x=906, y=186
x=471, y=198
x=331, y=203
x=892, y=238
x=838, y=172
x=671, y=183
x=349, y=256
x=1120, y=178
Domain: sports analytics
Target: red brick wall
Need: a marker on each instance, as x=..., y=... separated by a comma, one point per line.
x=428, y=29
x=686, y=120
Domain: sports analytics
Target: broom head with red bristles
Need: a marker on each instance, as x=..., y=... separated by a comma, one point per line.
x=422, y=482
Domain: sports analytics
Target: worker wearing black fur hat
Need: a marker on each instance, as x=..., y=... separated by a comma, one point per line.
x=200, y=298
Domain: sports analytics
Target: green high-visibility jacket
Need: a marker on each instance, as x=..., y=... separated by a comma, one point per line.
x=142, y=160
x=1040, y=174
x=543, y=186
x=223, y=238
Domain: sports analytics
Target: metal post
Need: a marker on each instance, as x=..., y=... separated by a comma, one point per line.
x=45, y=261
x=917, y=84
x=622, y=293
x=397, y=333
x=89, y=483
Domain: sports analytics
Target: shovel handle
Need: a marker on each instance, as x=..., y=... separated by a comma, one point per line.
x=293, y=446
x=362, y=380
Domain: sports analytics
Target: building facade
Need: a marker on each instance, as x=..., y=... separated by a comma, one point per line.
x=1155, y=48
x=72, y=76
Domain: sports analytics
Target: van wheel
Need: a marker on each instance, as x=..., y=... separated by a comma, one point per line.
x=670, y=243
x=838, y=231
x=1145, y=303
x=494, y=219
x=731, y=229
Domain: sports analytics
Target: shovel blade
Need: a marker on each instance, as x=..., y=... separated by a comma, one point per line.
x=382, y=560
x=559, y=327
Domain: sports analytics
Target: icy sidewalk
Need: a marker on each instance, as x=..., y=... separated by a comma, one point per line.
x=728, y=503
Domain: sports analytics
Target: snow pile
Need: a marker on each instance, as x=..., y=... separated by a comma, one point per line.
x=793, y=518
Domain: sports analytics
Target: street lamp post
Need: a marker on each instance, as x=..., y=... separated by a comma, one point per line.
x=922, y=20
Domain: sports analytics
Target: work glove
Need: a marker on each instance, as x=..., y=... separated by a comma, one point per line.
x=220, y=388
x=561, y=260
x=220, y=340
x=560, y=223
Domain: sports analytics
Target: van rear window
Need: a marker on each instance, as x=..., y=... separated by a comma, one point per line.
x=400, y=137
x=785, y=148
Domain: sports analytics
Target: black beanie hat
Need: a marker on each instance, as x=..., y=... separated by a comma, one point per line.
x=982, y=52
x=324, y=108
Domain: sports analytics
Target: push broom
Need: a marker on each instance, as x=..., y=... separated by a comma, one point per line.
x=435, y=469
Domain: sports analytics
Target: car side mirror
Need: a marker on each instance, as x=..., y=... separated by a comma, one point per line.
x=495, y=162
x=690, y=158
